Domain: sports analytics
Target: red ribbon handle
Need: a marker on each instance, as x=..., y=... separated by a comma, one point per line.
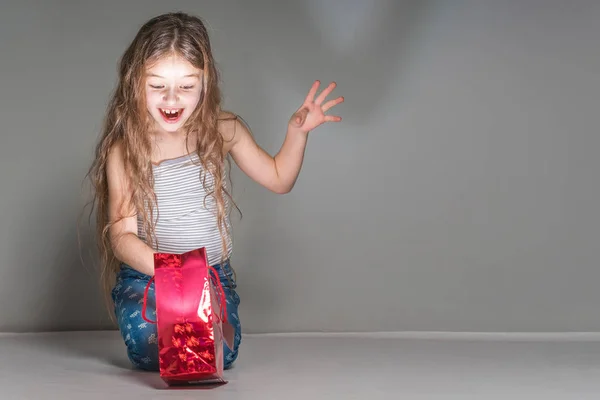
x=221, y=293
x=146, y=300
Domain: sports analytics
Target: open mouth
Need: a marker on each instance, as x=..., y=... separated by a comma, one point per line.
x=171, y=114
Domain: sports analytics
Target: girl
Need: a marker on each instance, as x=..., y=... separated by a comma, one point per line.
x=159, y=175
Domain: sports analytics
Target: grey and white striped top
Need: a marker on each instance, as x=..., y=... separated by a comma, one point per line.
x=187, y=217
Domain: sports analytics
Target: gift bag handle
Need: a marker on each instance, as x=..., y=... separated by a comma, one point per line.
x=146, y=300
x=221, y=294
x=220, y=290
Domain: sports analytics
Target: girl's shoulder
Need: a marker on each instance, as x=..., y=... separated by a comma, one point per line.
x=226, y=123
x=232, y=127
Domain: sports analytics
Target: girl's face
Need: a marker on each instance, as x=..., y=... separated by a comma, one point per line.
x=173, y=88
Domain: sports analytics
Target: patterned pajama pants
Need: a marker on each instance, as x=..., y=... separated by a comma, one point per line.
x=140, y=336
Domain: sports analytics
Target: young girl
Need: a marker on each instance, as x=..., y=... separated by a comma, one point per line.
x=159, y=173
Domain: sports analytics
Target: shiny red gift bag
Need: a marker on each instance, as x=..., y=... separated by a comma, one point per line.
x=190, y=313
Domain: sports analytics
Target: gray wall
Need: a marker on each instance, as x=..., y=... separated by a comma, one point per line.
x=459, y=193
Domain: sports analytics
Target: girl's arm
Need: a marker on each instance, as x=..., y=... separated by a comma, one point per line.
x=126, y=245
x=279, y=173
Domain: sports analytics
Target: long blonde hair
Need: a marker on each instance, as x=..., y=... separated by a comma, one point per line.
x=128, y=123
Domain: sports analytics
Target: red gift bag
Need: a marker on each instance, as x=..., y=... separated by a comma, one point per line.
x=190, y=313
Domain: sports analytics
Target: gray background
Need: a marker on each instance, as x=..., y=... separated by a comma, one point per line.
x=458, y=194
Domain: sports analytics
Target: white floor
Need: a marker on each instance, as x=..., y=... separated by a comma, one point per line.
x=93, y=365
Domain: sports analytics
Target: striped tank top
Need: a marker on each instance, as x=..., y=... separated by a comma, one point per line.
x=187, y=217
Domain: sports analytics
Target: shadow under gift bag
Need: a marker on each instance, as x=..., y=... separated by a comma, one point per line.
x=191, y=318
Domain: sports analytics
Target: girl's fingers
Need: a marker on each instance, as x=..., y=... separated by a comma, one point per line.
x=325, y=93
x=332, y=103
x=332, y=118
x=312, y=92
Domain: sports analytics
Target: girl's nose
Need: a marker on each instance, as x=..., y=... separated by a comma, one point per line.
x=170, y=96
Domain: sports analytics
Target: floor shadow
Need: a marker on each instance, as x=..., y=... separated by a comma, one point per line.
x=102, y=351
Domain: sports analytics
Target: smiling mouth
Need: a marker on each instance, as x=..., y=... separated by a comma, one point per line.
x=171, y=114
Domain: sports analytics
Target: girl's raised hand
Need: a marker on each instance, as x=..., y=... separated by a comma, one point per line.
x=312, y=112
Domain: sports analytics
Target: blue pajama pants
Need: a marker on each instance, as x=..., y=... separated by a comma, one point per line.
x=141, y=337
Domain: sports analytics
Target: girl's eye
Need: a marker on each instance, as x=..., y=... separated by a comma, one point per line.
x=161, y=87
